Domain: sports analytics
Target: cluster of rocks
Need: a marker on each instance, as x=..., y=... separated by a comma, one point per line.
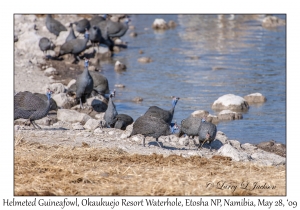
x=82, y=129
x=272, y=21
x=162, y=24
x=230, y=107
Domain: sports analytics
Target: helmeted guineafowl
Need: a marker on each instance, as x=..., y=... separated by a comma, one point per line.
x=166, y=115
x=111, y=112
x=117, y=29
x=207, y=132
x=82, y=25
x=84, y=85
x=54, y=26
x=102, y=25
x=31, y=107
x=71, y=34
x=150, y=126
x=45, y=44
x=100, y=85
x=190, y=126
x=122, y=121
x=95, y=35
x=97, y=19
x=53, y=105
x=74, y=46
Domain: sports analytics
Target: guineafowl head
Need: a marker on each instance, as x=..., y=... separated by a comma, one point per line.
x=49, y=93
x=126, y=21
x=112, y=94
x=174, y=101
x=86, y=62
x=87, y=34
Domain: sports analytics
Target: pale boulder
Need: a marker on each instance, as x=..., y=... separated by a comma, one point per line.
x=231, y=102
x=255, y=98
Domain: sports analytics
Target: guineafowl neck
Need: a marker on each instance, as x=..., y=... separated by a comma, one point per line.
x=86, y=71
x=172, y=109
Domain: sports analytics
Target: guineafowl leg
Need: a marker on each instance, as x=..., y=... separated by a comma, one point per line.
x=200, y=145
x=81, y=107
x=35, y=125
x=158, y=143
x=144, y=141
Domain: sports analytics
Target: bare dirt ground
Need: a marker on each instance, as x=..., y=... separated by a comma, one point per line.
x=44, y=169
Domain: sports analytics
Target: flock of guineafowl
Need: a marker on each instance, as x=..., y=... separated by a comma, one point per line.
x=155, y=122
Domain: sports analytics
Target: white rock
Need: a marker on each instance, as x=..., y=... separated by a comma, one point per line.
x=222, y=137
x=231, y=102
x=248, y=147
x=200, y=113
x=86, y=135
x=56, y=87
x=60, y=99
x=98, y=131
x=125, y=135
x=137, y=138
x=229, y=151
x=91, y=124
x=164, y=139
x=118, y=41
x=255, y=98
x=50, y=71
x=111, y=133
x=64, y=101
x=100, y=116
x=129, y=128
x=229, y=115
x=174, y=138
x=73, y=81
x=28, y=41
x=77, y=126
x=119, y=66
x=72, y=116
x=160, y=23
x=236, y=144
x=267, y=158
x=183, y=141
x=61, y=39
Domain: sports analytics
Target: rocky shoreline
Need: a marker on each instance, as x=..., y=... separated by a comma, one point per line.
x=65, y=133
x=82, y=129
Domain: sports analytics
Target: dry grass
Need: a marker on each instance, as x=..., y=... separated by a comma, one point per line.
x=64, y=170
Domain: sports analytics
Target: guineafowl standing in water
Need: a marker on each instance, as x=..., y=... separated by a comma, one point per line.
x=148, y=125
x=166, y=115
x=31, y=107
x=84, y=84
x=207, y=132
x=54, y=26
x=111, y=112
